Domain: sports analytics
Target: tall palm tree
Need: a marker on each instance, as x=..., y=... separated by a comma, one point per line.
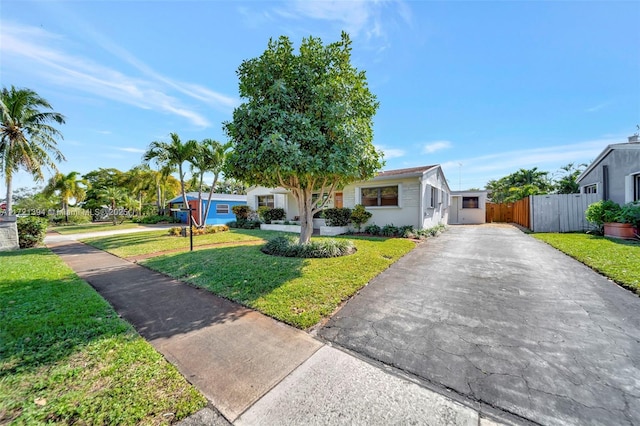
x=208, y=158
x=113, y=196
x=67, y=187
x=172, y=154
x=27, y=138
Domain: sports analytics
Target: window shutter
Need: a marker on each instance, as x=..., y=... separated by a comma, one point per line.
x=628, y=188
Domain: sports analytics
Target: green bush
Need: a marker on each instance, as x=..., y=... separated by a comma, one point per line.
x=277, y=214
x=389, y=231
x=407, y=231
x=247, y=224
x=337, y=216
x=360, y=216
x=602, y=212
x=207, y=229
x=630, y=213
x=430, y=232
x=322, y=248
x=372, y=229
x=154, y=219
x=263, y=214
x=241, y=212
x=31, y=231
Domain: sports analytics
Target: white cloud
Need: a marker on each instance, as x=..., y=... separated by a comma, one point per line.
x=598, y=107
x=34, y=49
x=432, y=147
x=477, y=171
x=391, y=152
x=357, y=17
x=134, y=150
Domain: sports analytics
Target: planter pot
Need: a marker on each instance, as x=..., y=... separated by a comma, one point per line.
x=282, y=228
x=333, y=230
x=619, y=230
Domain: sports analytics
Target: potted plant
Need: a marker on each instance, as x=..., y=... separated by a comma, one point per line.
x=629, y=215
x=613, y=220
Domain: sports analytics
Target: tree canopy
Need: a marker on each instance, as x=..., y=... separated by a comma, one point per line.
x=305, y=123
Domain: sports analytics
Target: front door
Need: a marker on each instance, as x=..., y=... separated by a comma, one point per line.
x=455, y=210
x=337, y=200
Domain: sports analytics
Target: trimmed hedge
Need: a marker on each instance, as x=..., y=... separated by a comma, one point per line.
x=322, y=248
x=337, y=216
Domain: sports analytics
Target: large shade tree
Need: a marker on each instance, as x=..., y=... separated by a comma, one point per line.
x=66, y=187
x=305, y=123
x=27, y=136
x=172, y=155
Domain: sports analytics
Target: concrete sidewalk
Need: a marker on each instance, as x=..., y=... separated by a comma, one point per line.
x=253, y=369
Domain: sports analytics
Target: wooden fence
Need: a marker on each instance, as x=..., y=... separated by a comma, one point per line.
x=545, y=213
x=517, y=212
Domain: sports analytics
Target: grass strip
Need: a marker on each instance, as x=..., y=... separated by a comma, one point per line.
x=297, y=291
x=136, y=244
x=66, y=357
x=619, y=260
x=92, y=227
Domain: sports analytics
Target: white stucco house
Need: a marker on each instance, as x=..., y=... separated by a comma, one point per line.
x=417, y=196
x=468, y=207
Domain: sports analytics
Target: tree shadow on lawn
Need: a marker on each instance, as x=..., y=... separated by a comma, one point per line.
x=240, y=273
x=116, y=241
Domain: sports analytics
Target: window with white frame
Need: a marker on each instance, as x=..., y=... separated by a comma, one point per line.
x=433, y=201
x=222, y=208
x=380, y=196
x=266, y=200
x=591, y=189
x=636, y=187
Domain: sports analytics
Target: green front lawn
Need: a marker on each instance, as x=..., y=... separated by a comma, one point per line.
x=136, y=244
x=299, y=292
x=92, y=227
x=616, y=259
x=66, y=357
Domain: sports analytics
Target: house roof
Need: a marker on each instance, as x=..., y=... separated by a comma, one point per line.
x=406, y=172
x=605, y=152
x=214, y=197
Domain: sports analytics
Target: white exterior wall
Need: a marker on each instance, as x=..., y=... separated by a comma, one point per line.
x=432, y=216
x=414, y=194
x=460, y=216
x=408, y=198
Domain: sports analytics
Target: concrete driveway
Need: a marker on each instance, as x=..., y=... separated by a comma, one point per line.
x=499, y=317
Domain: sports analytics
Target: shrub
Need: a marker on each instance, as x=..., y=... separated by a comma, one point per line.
x=153, y=219
x=207, y=229
x=372, y=229
x=630, y=213
x=323, y=248
x=248, y=224
x=263, y=214
x=407, y=231
x=31, y=231
x=602, y=212
x=430, y=232
x=241, y=212
x=278, y=214
x=232, y=224
x=389, y=231
x=360, y=216
x=337, y=216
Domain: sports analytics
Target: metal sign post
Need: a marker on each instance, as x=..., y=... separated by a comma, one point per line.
x=189, y=210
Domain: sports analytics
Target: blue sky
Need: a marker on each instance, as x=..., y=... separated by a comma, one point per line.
x=483, y=88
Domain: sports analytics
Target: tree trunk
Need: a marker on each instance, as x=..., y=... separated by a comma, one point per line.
x=184, y=194
x=305, y=209
x=215, y=181
x=65, y=207
x=9, y=196
x=200, y=222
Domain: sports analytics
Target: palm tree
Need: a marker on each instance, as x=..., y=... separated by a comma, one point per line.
x=209, y=157
x=112, y=196
x=172, y=154
x=67, y=186
x=27, y=139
